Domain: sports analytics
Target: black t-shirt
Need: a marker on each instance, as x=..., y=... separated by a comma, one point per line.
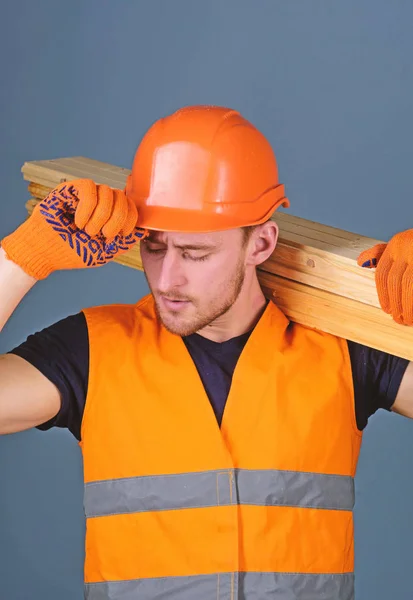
x=61, y=353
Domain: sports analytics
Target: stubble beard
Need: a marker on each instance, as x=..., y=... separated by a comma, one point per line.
x=178, y=325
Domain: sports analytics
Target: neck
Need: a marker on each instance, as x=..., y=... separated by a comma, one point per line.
x=243, y=315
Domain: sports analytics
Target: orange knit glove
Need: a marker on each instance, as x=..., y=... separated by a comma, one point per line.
x=394, y=275
x=78, y=225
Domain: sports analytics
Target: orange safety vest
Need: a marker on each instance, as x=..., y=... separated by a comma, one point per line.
x=179, y=508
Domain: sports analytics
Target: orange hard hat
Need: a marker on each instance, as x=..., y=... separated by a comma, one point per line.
x=204, y=168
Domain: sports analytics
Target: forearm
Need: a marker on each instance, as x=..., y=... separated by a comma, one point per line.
x=27, y=397
x=14, y=285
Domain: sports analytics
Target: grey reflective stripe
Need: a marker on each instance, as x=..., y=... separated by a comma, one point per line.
x=296, y=488
x=229, y=586
x=195, y=587
x=162, y=492
x=218, y=488
x=296, y=586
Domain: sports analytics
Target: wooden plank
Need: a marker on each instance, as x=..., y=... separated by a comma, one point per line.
x=312, y=275
x=319, y=309
x=52, y=172
x=340, y=316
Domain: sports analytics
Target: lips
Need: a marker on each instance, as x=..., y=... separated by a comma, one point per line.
x=175, y=305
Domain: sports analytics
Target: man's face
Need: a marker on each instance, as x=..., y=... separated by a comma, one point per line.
x=194, y=277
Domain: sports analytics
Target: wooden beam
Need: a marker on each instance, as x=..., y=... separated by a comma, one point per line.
x=312, y=275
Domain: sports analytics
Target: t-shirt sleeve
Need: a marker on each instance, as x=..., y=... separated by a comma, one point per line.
x=376, y=379
x=61, y=353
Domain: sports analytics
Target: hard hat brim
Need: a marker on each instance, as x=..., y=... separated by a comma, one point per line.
x=162, y=218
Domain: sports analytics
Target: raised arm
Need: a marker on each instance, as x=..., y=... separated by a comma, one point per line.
x=78, y=225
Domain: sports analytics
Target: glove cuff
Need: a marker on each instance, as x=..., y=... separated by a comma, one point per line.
x=38, y=249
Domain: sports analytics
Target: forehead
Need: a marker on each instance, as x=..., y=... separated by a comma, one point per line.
x=214, y=239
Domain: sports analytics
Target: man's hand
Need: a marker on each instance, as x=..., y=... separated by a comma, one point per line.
x=394, y=275
x=78, y=225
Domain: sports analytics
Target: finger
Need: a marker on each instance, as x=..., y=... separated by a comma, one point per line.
x=131, y=219
x=85, y=193
x=369, y=259
x=102, y=212
x=118, y=217
x=394, y=286
x=382, y=274
x=407, y=296
x=66, y=194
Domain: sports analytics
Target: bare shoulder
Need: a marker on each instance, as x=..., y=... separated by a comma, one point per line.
x=27, y=397
x=403, y=404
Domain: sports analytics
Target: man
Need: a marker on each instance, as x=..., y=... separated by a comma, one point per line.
x=220, y=440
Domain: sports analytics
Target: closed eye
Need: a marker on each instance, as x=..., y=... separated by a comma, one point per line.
x=196, y=258
x=185, y=254
x=153, y=250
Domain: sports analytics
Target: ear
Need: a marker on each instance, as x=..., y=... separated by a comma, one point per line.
x=262, y=243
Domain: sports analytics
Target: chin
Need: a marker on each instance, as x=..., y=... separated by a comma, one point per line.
x=181, y=329
x=175, y=324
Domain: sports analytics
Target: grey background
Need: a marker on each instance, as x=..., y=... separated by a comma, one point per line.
x=329, y=82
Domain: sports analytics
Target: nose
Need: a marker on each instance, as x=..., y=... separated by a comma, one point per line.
x=172, y=272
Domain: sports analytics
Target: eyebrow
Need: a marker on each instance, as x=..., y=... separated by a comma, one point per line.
x=194, y=246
